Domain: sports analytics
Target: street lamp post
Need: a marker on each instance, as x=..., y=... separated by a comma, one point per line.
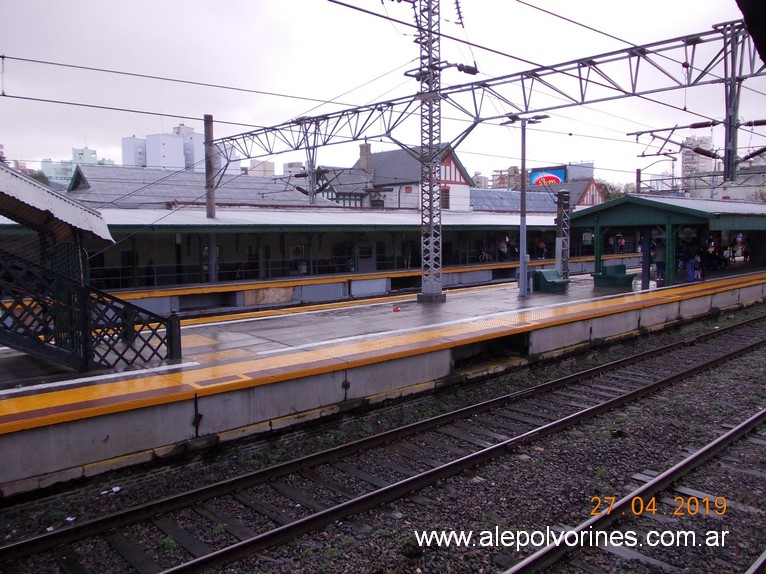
x=672, y=177
x=669, y=243
x=523, y=280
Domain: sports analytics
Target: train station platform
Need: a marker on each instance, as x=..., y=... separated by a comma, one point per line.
x=253, y=372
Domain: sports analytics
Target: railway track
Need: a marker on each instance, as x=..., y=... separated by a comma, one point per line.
x=227, y=521
x=665, y=511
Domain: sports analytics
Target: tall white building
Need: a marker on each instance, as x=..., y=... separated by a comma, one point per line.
x=261, y=168
x=166, y=151
x=133, y=152
x=193, y=147
x=292, y=168
x=481, y=181
x=693, y=164
x=180, y=149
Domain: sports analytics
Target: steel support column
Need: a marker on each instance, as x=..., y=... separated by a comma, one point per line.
x=733, y=59
x=429, y=75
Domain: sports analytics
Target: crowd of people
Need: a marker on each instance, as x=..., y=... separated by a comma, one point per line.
x=695, y=258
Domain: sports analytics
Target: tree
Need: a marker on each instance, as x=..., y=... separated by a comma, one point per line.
x=610, y=190
x=39, y=176
x=629, y=188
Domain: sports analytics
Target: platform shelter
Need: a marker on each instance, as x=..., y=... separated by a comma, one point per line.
x=719, y=228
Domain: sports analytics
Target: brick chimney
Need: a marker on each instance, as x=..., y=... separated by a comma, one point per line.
x=365, y=157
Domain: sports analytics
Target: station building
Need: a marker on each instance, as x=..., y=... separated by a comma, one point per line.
x=362, y=219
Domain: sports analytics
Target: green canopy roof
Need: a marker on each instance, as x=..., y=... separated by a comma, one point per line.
x=642, y=210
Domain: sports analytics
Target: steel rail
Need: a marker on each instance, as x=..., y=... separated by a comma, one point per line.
x=553, y=553
x=402, y=488
x=94, y=527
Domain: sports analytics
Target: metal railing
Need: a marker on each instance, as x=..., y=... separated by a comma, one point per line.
x=55, y=318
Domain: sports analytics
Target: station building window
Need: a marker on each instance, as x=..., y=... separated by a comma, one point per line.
x=349, y=200
x=445, y=198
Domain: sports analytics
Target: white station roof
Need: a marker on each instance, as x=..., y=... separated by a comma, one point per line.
x=319, y=218
x=30, y=203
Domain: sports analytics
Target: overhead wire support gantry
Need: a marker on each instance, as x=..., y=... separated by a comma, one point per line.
x=579, y=82
x=729, y=57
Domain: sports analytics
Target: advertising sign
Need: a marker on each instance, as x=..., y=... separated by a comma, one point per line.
x=547, y=176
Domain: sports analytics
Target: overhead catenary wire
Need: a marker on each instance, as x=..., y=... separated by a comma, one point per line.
x=210, y=85
x=178, y=116
x=607, y=34
x=169, y=79
x=523, y=60
x=632, y=44
x=230, y=87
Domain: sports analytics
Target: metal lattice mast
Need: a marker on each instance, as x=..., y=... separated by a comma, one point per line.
x=429, y=74
x=734, y=37
x=563, y=231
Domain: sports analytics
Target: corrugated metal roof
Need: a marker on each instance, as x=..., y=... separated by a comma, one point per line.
x=30, y=203
x=103, y=186
x=399, y=167
x=394, y=167
x=709, y=206
x=348, y=181
x=510, y=200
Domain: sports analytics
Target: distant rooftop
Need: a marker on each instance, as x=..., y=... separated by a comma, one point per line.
x=107, y=186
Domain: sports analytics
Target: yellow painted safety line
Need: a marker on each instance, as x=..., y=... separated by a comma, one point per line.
x=325, y=279
x=409, y=344
x=321, y=360
x=335, y=357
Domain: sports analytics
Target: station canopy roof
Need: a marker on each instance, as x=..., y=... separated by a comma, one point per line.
x=295, y=220
x=643, y=210
x=30, y=203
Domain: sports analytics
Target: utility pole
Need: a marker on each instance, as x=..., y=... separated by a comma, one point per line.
x=209, y=167
x=523, y=279
x=210, y=197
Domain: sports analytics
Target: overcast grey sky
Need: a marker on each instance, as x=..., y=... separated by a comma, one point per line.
x=301, y=51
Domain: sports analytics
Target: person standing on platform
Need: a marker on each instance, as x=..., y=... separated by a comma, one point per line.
x=149, y=273
x=502, y=248
x=688, y=253
x=541, y=249
x=698, y=273
x=659, y=263
x=407, y=255
x=513, y=250
x=746, y=249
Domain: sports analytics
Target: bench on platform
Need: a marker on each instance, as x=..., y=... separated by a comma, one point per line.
x=549, y=280
x=613, y=276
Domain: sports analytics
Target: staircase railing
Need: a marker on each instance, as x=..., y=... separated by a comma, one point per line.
x=55, y=318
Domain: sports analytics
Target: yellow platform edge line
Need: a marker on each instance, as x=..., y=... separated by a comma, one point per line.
x=388, y=349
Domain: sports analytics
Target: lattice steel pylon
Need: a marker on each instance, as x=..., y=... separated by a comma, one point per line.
x=429, y=74
x=563, y=231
